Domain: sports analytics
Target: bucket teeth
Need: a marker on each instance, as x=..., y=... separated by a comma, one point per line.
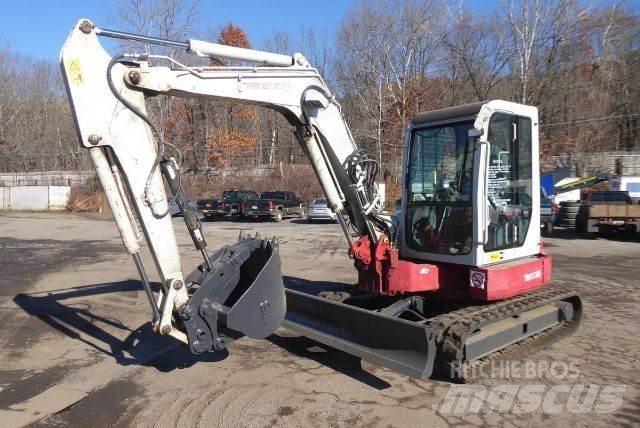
x=274, y=242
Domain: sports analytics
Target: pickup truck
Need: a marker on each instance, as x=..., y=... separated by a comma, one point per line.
x=608, y=211
x=231, y=204
x=275, y=206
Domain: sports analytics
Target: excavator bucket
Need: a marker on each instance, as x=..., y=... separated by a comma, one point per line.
x=242, y=295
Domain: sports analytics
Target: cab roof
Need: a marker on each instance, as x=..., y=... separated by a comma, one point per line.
x=465, y=111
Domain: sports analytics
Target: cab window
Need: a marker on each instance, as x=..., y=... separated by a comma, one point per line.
x=509, y=185
x=439, y=189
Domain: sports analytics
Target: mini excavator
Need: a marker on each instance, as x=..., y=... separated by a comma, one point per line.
x=452, y=281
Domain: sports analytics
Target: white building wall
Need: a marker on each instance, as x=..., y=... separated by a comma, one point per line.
x=5, y=201
x=29, y=198
x=58, y=197
x=34, y=198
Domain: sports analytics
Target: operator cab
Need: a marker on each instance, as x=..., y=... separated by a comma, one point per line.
x=469, y=172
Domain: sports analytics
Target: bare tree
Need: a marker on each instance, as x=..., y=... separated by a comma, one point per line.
x=393, y=43
x=477, y=49
x=388, y=60
x=36, y=131
x=539, y=30
x=169, y=19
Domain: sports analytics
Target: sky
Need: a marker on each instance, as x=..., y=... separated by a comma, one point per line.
x=39, y=27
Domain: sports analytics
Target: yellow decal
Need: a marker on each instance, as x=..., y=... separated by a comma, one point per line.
x=495, y=257
x=75, y=72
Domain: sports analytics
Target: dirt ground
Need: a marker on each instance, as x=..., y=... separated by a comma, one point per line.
x=76, y=346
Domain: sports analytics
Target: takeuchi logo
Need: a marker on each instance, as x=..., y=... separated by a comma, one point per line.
x=533, y=275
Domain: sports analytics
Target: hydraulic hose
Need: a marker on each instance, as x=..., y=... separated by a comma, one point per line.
x=359, y=157
x=154, y=129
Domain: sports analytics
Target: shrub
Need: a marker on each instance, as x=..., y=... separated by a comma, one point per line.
x=87, y=197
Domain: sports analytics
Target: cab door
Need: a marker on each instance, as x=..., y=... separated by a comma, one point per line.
x=511, y=196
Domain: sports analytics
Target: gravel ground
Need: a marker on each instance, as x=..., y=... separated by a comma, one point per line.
x=76, y=347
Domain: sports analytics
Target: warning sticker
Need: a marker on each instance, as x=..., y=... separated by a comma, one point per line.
x=496, y=256
x=75, y=72
x=477, y=279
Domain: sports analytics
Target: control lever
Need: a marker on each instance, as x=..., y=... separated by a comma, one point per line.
x=169, y=168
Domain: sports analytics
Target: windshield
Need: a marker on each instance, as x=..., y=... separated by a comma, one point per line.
x=610, y=197
x=230, y=194
x=320, y=201
x=439, y=214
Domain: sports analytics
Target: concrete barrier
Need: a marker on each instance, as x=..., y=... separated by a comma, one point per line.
x=34, y=198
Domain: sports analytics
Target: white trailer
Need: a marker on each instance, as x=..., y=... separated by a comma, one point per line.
x=630, y=184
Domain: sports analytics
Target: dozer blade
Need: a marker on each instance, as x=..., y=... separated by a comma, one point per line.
x=403, y=346
x=242, y=295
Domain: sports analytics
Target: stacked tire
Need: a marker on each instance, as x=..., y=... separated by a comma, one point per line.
x=567, y=213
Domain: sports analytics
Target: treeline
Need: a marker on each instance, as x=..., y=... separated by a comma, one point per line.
x=36, y=129
x=579, y=65
x=386, y=61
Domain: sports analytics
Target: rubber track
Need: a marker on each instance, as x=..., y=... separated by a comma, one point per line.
x=536, y=342
x=453, y=328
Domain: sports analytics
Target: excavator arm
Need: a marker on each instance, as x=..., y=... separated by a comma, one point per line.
x=239, y=289
x=301, y=96
x=108, y=98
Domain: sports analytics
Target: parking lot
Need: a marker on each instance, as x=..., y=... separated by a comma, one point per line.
x=76, y=344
